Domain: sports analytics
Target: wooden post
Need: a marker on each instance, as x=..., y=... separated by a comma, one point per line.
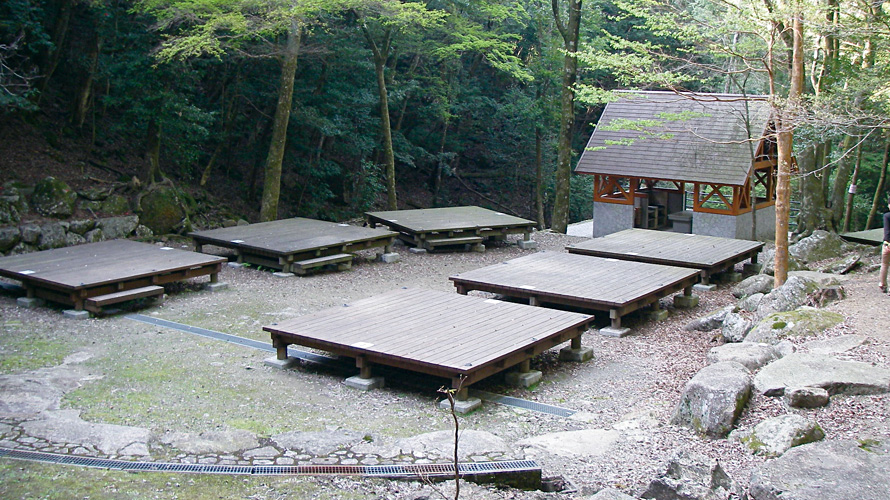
x=533, y=301
x=576, y=342
x=525, y=366
x=364, y=367
x=280, y=347
x=616, y=319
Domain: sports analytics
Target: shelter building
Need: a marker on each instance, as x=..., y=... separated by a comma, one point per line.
x=653, y=151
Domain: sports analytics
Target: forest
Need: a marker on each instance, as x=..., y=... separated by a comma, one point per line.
x=329, y=108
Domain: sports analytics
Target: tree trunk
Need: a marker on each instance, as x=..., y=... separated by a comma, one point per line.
x=559, y=219
x=880, y=198
x=81, y=106
x=59, y=33
x=848, y=213
x=153, y=152
x=539, y=177
x=272, y=177
x=839, y=188
x=381, y=54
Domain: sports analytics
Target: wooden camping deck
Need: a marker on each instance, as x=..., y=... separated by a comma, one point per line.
x=96, y=274
x=869, y=237
x=442, y=334
x=295, y=245
x=433, y=227
x=593, y=283
x=711, y=254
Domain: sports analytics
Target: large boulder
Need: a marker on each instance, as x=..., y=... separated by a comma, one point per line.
x=53, y=198
x=802, y=322
x=820, y=245
x=768, y=258
x=827, y=470
x=164, y=210
x=113, y=228
x=788, y=297
x=776, y=435
x=752, y=355
x=714, y=398
x=52, y=235
x=12, y=204
x=759, y=283
x=116, y=204
x=818, y=370
x=735, y=327
x=692, y=477
x=710, y=321
x=9, y=237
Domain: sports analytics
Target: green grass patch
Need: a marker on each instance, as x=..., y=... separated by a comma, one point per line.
x=23, y=349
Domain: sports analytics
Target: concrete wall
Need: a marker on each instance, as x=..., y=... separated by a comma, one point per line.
x=730, y=226
x=610, y=218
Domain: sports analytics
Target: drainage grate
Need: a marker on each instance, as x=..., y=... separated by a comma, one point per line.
x=384, y=471
x=333, y=362
x=522, y=403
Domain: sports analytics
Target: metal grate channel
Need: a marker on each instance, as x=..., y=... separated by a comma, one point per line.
x=382, y=471
x=522, y=403
x=333, y=362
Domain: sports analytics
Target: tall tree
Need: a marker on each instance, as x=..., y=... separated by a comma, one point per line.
x=569, y=29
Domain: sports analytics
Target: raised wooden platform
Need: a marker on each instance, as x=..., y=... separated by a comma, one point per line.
x=442, y=334
x=869, y=237
x=295, y=245
x=434, y=227
x=593, y=283
x=711, y=254
x=72, y=275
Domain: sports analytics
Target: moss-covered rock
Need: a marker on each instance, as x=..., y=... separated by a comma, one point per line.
x=53, y=198
x=116, y=204
x=164, y=211
x=9, y=237
x=803, y=322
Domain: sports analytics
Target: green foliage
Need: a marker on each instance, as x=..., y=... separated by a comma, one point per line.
x=22, y=40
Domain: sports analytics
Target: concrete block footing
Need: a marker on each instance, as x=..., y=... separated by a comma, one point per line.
x=615, y=332
x=461, y=406
x=281, y=274
x=364, y=384
x=685, y=301
x=344, y=266
x=731, y=277
x=417, y=250
x=577, y=355
x=523, y=379
x=75, y=314
x=215, y=287
x=29, y=302
x=527, y=244
x=235, y=265
x=388, y=258
x=658, y=315
x=699, y=287
x=479, y=247
x=751, y=269
x=281, y=364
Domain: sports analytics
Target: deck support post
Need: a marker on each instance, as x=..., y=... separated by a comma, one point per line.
x=615, y=329
x=657, y=313
x=199, y=247
x=463, y=403
x=686, y=300
x=281, y=361
x=524, y=376
x=534, y=301
x=364, y=381
x=575, y=352
x=704, y=284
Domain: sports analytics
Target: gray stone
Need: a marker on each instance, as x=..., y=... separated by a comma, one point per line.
x=843, y=266
x=143, y=231
x=827, y=470
x=836, y=345
x=72, y=239
x=576, y=355
x=693, y=477
x=614, y=332
x=66, y=426
x=281, y=364
x=527, y=244
x=820, y=245
x=116, y=204
x=94, y=236
x=821, y=279
x=26, y=395
x=242, y=222
x=280, y=274
x=52, y=235
x=759, y=283
x=735, y=327
x=710, y=321
x=752, y=355
x=417, y=250
x=751, y=302
x=267, y=452
x=714, y=398
x=216, y=287
x=95, y=193
x=768, y=258
x=440, y=444
x=817, y=370
x=788, y=297
x=774, y=436
x=319, y=443
x=30, y=233
x=215, y=442
x=10, y=209
x=523, y=379
x=364, y=384
x=806, y=397
x=803, y=322
x=683, y=301
x=583, y=443
x=74, y=314
x=611, y=494
x=389, y=258
x=9, y=237
x=118, y=227
x=29, y=302
x=462, y=406
x=53, y=198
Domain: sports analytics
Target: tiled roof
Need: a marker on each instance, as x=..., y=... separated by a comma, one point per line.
x=684, y=137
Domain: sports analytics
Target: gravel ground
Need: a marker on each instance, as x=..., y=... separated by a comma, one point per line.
x=168, y=381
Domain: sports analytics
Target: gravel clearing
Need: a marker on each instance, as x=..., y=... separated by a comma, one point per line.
x=172, y=382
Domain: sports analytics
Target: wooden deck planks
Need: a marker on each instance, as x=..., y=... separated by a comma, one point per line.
x=709, y=253
x=94, y=264
x=429, y=331
x=599, y=282
x=293, y=239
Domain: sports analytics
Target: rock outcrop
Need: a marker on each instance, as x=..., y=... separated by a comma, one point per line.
x=714, y=398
